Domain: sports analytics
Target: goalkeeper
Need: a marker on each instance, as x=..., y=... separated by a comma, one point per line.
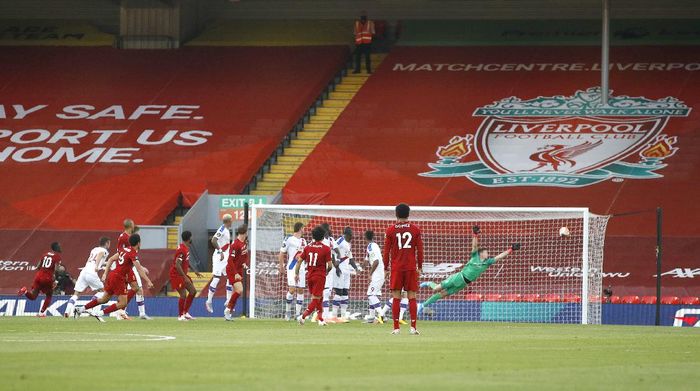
x=478, y=263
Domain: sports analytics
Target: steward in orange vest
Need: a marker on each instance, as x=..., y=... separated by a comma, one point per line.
x=364, y=30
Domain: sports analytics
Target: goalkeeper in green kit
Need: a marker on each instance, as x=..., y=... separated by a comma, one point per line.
x=478, y=263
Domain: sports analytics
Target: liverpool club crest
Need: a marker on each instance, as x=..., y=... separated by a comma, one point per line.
x=564, y=141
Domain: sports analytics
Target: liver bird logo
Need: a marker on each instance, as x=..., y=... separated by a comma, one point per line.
x=553, y=156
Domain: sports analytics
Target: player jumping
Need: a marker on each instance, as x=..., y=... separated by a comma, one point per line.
x=341, y=281
x=89, y=277
x=376, y=271
x=403, y=246
x=235, y=268
x=317, y=257
x=43, y=279
x=180, y=281
x=479, y=261
x=117, y=281
x=291, y=247
x=221, y=242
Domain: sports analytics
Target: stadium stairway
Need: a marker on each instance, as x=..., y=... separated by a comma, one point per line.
x=314, y=131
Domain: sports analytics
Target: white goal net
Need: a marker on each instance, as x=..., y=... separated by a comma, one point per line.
x=551, y=279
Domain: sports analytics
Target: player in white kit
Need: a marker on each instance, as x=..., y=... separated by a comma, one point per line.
x=222, y=244
x=291, y=247
x=89, y=277
x=376, y=270
x=330, y=277
x=341, y=282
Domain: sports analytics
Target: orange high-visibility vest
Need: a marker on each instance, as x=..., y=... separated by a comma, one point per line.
x=363, y=32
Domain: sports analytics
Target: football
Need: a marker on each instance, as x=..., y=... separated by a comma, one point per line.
x=564, y=232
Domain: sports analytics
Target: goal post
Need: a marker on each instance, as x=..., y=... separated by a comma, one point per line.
x=551, y=279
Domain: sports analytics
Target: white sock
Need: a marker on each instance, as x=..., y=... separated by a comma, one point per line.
x=71, y=304
x=212, y=288
x=141, y=304
x=343, y=305
x=300, y=303
x=326, y=303
x=229, y=291
x=373, y=305
x=336, y=305
x=404, y=306
x=288, y=305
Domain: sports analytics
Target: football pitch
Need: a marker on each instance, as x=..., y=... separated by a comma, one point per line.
x=210, y=354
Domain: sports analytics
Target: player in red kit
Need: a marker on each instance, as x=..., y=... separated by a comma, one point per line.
x=43, y=279
x=180, y=281
x=237, y=263
x=403, y=256
x=117, y=281
x=318, y=263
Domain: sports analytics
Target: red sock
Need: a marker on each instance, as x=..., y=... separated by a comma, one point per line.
x=130, y=295
x=92, y=303
x=188, y=303
x=232, y=302
x=31, y=295
x=109, y=309
x=180, y=306
x=413, y=310
x=319, y=309
x=47, y=301
x=395, y=309
x=312, y=306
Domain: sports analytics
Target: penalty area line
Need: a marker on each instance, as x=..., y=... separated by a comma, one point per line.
x=109, y=338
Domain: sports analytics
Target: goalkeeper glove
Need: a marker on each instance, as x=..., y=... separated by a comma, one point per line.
x=476, y=230
x=515, y=246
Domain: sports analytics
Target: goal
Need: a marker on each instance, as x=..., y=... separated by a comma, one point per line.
x=551, y=279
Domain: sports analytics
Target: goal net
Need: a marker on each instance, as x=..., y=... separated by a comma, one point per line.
x=551, y=279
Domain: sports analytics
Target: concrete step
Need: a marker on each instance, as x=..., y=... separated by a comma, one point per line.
x=304, y=143
x=305, y=135
x=291, y=159
x=317, y=126
x=270, y=187
x=284, y=169
x=342, y=103
x=324, y=117
x=263, y=192
x=347, y=87
x=329, y=111
x=341, y=95
x=298, y=151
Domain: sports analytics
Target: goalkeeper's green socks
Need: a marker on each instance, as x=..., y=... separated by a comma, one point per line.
x=432, y=299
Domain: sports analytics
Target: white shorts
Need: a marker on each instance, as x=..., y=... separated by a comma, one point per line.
x=291, y=277
x=375, y=287
x=88, y=279
x=330, y=279
x=342, y=281
x=218, y=267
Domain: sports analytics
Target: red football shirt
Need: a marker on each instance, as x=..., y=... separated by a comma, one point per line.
x=317, y=256
x=47, y=267
x=239, y=255
x=403, y=246
x=126, y=261
x=183, y=254
x=123, y=242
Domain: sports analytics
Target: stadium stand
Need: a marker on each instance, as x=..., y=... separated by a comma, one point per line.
x=43, y=32
x=423, y=100
x=275, y=33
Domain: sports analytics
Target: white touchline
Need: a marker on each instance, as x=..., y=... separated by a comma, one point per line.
x=143, y=338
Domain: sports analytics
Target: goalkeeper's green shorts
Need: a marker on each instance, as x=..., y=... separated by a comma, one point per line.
x=454, y=283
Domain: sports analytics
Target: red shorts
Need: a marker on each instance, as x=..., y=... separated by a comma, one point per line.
x=316, y=285
x=131, y=277
x=116, y=285
x=178, y=281
x=43, y=284
x=231, y=275
x=406, y=280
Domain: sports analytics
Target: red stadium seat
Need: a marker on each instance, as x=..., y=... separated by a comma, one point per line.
x=690, y=300
x=572, y=299
x=552, y=298
x=670, y=300
x=532, y=298
x=631, y=300
x=515, y=297
x=474, y=297
x=649, y=300
x=615, y=300
x=493, y=297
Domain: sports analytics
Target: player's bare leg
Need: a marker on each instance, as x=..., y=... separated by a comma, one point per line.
x=181, y=304
x=315, y=305
x=191, y=293
x=289, y=299
x=231, y=304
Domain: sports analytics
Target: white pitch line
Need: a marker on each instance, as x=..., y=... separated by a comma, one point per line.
x=145, y=338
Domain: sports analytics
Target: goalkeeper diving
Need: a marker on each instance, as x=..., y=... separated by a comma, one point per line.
x=478, y=263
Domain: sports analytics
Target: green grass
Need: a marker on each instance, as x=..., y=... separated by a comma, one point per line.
x=248, y=354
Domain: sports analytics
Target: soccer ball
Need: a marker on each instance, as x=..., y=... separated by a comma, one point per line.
x=564, y=232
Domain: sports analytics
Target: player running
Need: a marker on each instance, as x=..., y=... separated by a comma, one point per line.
x=292, y=246
x=221, y=242
x=235, y=268
x=403, y=247
x=89, y=277
x=117, y=281
x=180, y=281
x=341, y=281
x=317, y=257
x=376, y=271
x=133, y=278
x=479, y=261
x=43, y=279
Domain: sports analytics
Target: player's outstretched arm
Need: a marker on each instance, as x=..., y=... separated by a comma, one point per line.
x=514, y=247
x=475, y=237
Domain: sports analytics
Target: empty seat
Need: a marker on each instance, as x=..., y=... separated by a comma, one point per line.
x=649, y=300
x=631, y=300
x=690, y=300
x=670, y=300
